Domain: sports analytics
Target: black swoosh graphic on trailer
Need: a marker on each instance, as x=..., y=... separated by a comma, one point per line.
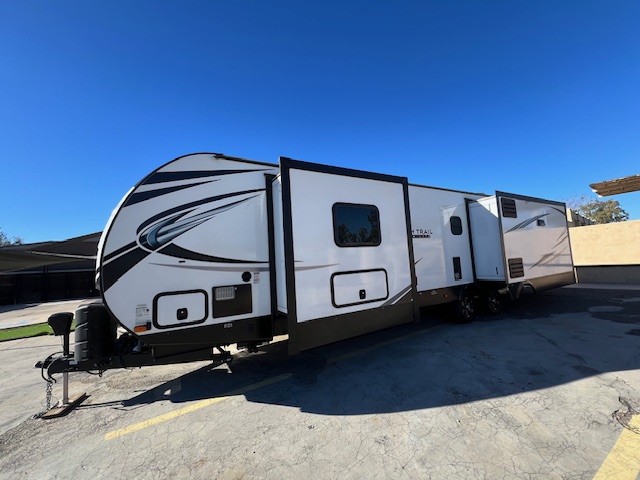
x=148, y=195
x=116, y=268
x=119, y=251
x=163, y=177
x=398, y=296
x=112, y=271
x=148, y=239
x=173, y=250
x=209, y=268
x=526, y=222
x=196, y=203
x=176, y=225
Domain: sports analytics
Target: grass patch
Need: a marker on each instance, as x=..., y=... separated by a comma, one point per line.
x=27, y=331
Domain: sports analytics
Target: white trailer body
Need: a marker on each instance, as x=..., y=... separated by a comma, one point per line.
x=185, y=256
x=441, y=242
x=211, y=250
x=346, y=253
x=521, y=242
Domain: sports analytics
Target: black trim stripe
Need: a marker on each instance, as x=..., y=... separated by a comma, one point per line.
x=173, y=250
x=250, y=266
x=272, y=247
x=467, y=202
x=412, y=258
x=344, y=172
x=314, y=267
x=453, y=190
x=120, y=251
x=289, y=263
x=529, y=199
x=163, y=177
x=148, y=195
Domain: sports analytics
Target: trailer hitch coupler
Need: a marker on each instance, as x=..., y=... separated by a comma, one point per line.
x=60, y=323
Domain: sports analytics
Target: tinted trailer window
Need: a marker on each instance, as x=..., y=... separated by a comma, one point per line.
x=356, y=225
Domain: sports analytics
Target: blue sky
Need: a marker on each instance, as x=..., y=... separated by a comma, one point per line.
x=538, y=98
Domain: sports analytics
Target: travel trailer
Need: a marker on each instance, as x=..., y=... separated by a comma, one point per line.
x=211, y=250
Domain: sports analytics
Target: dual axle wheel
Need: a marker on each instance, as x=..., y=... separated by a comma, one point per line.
x=467, y=305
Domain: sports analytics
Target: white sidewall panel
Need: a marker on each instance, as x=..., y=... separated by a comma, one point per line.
x=487, y=245
x=317, y=257
x=540, y=237
x=434, y=245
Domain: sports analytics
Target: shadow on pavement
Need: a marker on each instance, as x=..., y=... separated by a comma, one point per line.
x=542, y=341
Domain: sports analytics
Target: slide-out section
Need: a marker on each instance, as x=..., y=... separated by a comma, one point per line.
x=521, y=240
x=441, y=243
x=347, y=254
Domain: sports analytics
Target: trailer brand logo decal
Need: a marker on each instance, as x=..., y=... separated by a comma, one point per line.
x=421, y=233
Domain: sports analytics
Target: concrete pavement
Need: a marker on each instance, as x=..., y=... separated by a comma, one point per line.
x=548, y=389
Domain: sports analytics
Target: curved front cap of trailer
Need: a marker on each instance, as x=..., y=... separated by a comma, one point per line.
x=186, y=252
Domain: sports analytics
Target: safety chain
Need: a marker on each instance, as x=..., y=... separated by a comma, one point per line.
x=48, y=398
x=49, y=394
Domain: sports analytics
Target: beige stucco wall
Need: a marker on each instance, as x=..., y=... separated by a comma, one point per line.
x=608, y=244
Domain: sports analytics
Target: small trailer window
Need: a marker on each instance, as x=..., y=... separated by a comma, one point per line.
x=356, y=225
x=456, y=225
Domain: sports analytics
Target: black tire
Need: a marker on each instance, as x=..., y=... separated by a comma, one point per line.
x=465, y=308
x=494, y=302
